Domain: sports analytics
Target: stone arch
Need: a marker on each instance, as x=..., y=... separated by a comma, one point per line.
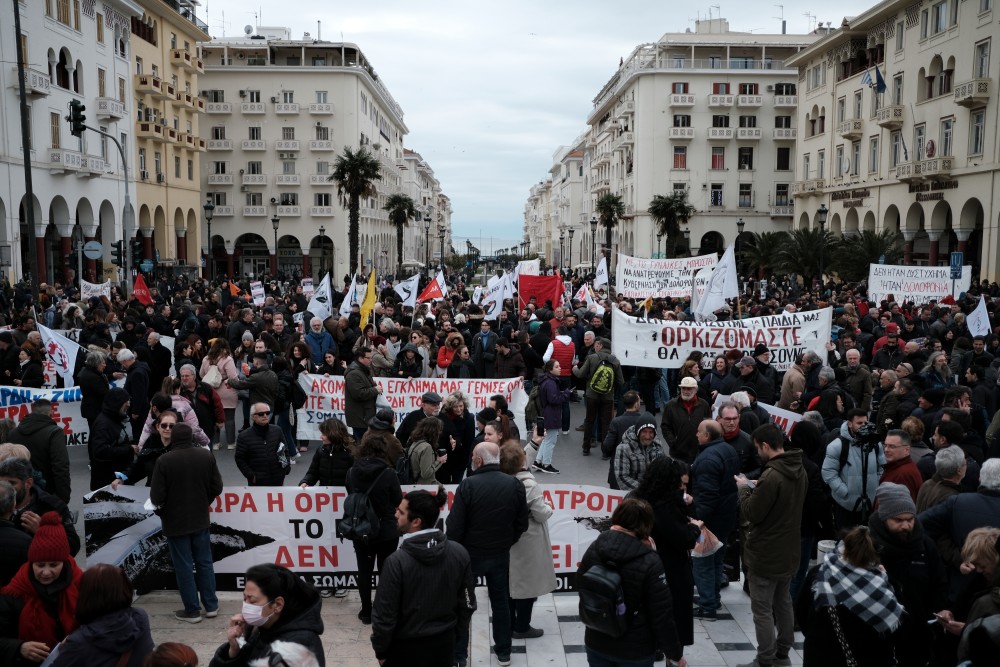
x=891, y=219
x=252, y=255
x=145, y=217
x=712, y=242
x=289, y=255
x=869, y=223
x=851, y=224
x=940, y=216
x=322, y=253
x=59, y=211
x=971, y=216
x=190, y=241
x=85, y=216
x=836, y=226
x=78, y=78
x=914, y=218
x=62, y=66
x=804, y=221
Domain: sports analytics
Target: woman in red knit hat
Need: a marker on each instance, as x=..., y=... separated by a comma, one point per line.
x=38, y=606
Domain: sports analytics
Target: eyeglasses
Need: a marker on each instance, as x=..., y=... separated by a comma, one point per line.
x=888, y=447
x=168, y=425
x=264, y=413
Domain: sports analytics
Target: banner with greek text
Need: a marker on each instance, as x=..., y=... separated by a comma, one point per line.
x=296, y=528
x=325, y=397
x=638, y=278
x=783, y=419
x=667, y=344
x=88, y=290
x=257, y=292
x=15, y=404
x=919, y=284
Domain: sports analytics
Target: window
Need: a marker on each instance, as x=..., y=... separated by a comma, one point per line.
x=288, y=167
x=897, y=89
x=784, y=159
x=104, y=142
x=895, y=148
x=219, y=167
x=841, y=110
x=720, y=88
x=677, y=62
x=944, y=82
x=322, y=168
x=158, y=163
x=254, y=133
x=680, y=188
x=121, y=90
x=982, y=61
x=321, y=97
x=680, y=157
x=177, y=167
x=838, y=169
x=253, y=96
x=173, y=40
x=715, y=197
x=947, y=134
x=782, y=121
x=919, y=136
x=679, y=88
x=322, y=199
x=215, y=95
x=720, y=121
x=102, y=82
x=138, y=65
x=748, y=88
x=288, y=96
x=715, y=62
x=319, y=61
x=781, y=194
x=872, y=155
x=784, y=89
x=899, y=35
x=55, y=122
x=741, y=62
x=219, y=198
x=254, y=168
x=746, y=195
x=977, y=130
x=323, y=133
x=939, y=18
x=255, y=199
x=858, y=106
x=292, y=61
x=855, y=158
x=744, y=157
x=289, y=199
x=219, y=132
x=288, y=133
x=805, y=166
x=718, y=157
x=985, y=5
x=821, y=164
x=817, y=76
x=748, y=121
x=100, y=28
x=682, y=120
x=924, y=20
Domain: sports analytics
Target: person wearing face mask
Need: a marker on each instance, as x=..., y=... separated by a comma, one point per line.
x=277, y=607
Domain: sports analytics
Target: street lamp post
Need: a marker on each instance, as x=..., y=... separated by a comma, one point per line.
x=209, y=264
x=821, y=219
x=659, y=245
x=562, y=242
x=275, y=221
x=569, y=264
x=427, y=245
x=322, y=251
x=687, y=240
x=740, y=225
x=593, y=245
x=441, y=236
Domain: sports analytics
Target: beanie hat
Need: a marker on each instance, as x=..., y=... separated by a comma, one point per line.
x=893, y=500
x=49, y=543
x=182, y=435
x=247, y=335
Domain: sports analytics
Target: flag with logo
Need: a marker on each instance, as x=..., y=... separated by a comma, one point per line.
x=432, y=291
x=442, y=283
x=602, y=273
x=407, y=291
x=61, y=351
x=593, y=304
x=140, y=292
x=723, y=285
x=368, y=305
x=979, y=319
x=349, y=300
x=319, y=304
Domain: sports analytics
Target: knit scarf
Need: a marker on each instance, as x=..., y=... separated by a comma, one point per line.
x=865, y=592
x=40, y=620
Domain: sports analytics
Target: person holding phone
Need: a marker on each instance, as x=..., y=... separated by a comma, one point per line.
x=553, y=397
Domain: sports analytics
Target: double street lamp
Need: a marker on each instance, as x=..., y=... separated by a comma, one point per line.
x=322, y=251
x=275, y=221
x=209, y=264
x=821, y=219
x=687, y=240
x=593, y=245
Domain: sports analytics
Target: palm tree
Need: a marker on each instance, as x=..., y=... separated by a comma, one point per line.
x=855, y=253
x=401, y=208
x=609, y=209
x=759, y=252
x=355, y=172
x=668, y=213
x=801, y=253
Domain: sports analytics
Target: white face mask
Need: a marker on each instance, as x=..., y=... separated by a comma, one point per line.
x=253, y=614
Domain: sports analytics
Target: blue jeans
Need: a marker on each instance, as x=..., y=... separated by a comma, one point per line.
x=595, y=659
x=708, y=573
x=285, y=424
x=497, y=573
x=547, y=445
x=194, y=552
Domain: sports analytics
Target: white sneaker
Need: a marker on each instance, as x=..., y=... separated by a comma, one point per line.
x=565, y=432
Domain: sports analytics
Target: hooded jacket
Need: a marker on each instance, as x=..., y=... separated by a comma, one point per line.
x=360, y=392
x=102, y=642
x=408, y=368
x=773, y=512
x=304, y=628
x=185, y=481
x=425, y=588
x=846, y=484
x=47, y=444
x=632, y=459
x=109, y=445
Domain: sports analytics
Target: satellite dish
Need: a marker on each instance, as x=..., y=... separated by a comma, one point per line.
x=248, y=29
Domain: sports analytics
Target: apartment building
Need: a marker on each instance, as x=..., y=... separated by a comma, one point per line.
x=428, y=237
x=556, y=214
x=278, y=112
x=79, y=51
x=921, y=156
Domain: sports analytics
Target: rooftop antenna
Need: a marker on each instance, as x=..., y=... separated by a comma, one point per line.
x=781, y=10
x=812, y=18
x=718, y=11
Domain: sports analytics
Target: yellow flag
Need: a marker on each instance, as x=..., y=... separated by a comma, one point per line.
x=648, y=304
x=368, y=305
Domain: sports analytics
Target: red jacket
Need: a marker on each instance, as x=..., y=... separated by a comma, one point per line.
x=905, y=472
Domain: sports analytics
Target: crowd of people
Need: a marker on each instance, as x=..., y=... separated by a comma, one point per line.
x=888, y=483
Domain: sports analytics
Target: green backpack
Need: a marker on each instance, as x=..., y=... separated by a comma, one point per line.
x=603, y=380
x=533, y=410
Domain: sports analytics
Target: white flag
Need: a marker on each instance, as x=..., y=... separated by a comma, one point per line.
x=581, y=294
x=979, y=319
x=319, y=304
x=723, y=285
x=408, y=289
x=602, y=273
x=61, y=351
x=442, y=283
x=593, y=305
x=345, y=305
x=508, y=287
x=477, y=294
x=528, y=267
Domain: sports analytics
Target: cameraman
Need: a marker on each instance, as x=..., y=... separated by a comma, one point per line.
x=853, y=476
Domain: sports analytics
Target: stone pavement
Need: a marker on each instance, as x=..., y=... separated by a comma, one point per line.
x=725, y=642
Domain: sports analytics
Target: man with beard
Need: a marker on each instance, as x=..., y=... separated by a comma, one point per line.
x=31, y=502
x=915, y=571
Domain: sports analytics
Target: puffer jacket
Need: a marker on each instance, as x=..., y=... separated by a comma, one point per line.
x=329, y=467
x=103, y=641
x=47, y=443
x=304, y=628
x=408, y=368
x=552, y=399
x=647, y=599
x=845, y=485
x=436, y=575
x=376, y=478
x=256, y=455
x=109, y=445
x=714, y=488
x=773, y=510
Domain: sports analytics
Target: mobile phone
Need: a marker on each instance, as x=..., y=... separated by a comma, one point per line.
x=540, y=427
x=442, y=451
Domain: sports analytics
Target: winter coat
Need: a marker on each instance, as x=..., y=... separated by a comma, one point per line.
x=463, y=429
x=227, y=368
x=935, y=491
x=749, y=461
x=647, y=599
x=257, y=455
x=263, y=384
x=773, y=512
x=679, y=426
x=103, y=641
x=376, y=478
x=109, y=445
x=766, y=383
x=14, y=544
x=93, y=387
x=305, y=628
x=484, y=354
x=552, y=399
x=461, y=369
x=905, y=472
x=47, y=443
x=675, y=536
x=137, y=384
x=31, y=374
x=329, y=467
x=859, y=384
x=182, y=407
x=511, y=365
x=793, y=383
x=360, y=392
x=532, y=572
x=319, y=344
x=714, y=488
x=423, y=462
x=408, y=368
x=590, y=366
x=632, y=459
x=185, y=481
x=616, y=434
x=959, y=515
x=489, y=513
x=846, y=484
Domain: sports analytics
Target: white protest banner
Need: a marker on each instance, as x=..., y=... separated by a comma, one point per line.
x=15, y=404
x=637, y=278
x=307, y=287
x=783, y=419
x=296, y=528
x=345, y=305
x=88, y=290
x=979, y=319
x=721, y=286
x=528, y=267
x=667, y=344
x=257, y=292
x=325, y=397
x=919, y=284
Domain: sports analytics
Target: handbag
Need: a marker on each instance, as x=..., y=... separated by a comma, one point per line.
x=213, y=377
x=706, y=545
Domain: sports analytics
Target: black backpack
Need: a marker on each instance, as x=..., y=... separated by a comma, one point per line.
x=360, y=522
x=602, y=600
x=403, y=467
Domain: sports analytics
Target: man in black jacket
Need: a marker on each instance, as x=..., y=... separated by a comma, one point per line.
x=32, y=503
x=47, y=444
x=488, y=516
x=257, y=449
x=426, y=590
x=14, y=542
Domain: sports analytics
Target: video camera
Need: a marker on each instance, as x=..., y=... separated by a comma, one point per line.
x=867, y=436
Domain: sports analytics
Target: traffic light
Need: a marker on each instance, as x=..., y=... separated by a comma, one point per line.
x=117, y=253
x=135, y=245
x=76, y=118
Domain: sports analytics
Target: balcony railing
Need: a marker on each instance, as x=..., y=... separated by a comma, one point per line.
x=286, y=145
x=784, y=101
x=891, y=117
x=720, y=100
x=36, y=82
x=851, y=129
x=908, y=172
x=720, y=133
x=321, y=109
x=62, y=161
x=254, y=145
x=626, y=108
x=219, y=107
x=288, y=211
x=749, y=100
x=286, y=108
x=92, y=166
x=972, y=93
x=254, y=211
x=110, y=108
x=681, y=133
x=321, y=211
x=223, y=211
x=782, y=211
x=287, y=179
x=220, y=145
x=220, y=179
x=254, y=179
x=150, y=130
x=319, y=179
x=936, y=167
x=146, y=84
x=320, y=145
x=682, y=100
x=784, y=133
x=748, y=133
x=186, y=60
x=252, y=107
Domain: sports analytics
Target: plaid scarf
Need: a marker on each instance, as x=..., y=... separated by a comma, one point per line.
x=865, y=592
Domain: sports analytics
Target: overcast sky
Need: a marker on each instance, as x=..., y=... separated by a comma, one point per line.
x=489, y=92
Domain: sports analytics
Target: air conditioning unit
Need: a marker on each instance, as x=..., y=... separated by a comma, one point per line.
x=770, y=89
x=243, y=93
x=160, y=178
x=286, y=156
x=273, y=100
x=144, y=175
x=244, y=188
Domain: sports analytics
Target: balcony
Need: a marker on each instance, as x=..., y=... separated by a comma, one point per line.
x=720, y=100
x=223, y=211
x=936, y=167
x=35, y=82
x=148, y=85
x=254, y=179
x=320, y=145
x=286, y=145
x=173, y=135
x=288, y=211
x=185, y=60
x=252, y=107
x=681, y=133
x=891, y=117
x=972, y=93
x=220, y=145
x=202, y=145
x=908, y=172
x=626, y=139
x=287, y=179
x=784, y=133
x=254, y=145
x=321, y=109
x=286, y=108
x=782, y=211
x=718, y=133
x=190, y=141
x=749, y=101
x=785, y=101
x=188, y=100
x=321, y=211
x=220, y=179
x=807, y=188
x=219, y=107
x=625, y=109
x=62, y=161
x=604, y=157
x=319, y=179
x=168, y=91
x=150, y=130
x=92, y=166
x=110, y=108
x=851, y=129
x=254, y=211
x=682, y=100
x=748, y=133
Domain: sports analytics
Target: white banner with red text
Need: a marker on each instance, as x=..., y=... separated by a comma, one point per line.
x=667, y=344
x=296, y=528
x=15, y=404
x=783, y=419
x=919, y=284
x=638, y=278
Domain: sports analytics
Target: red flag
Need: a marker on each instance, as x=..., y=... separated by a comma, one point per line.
x=141, y=292
x=543, y=288
x=432, y=291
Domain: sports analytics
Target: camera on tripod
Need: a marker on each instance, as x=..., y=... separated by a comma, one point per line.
x=867, y=435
